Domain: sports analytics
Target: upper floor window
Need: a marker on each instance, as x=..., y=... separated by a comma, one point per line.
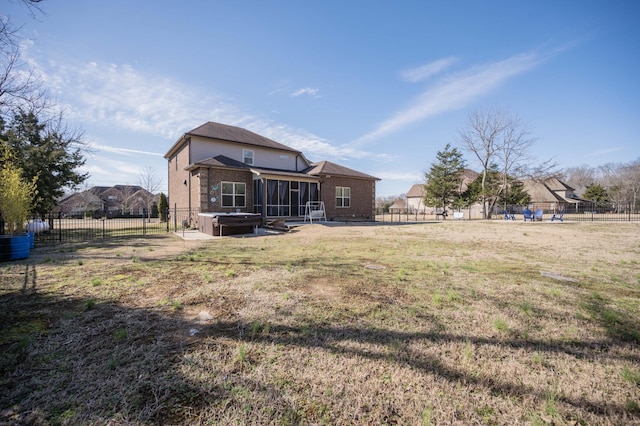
x=247, y=156
x=234, y=194
x=343, y=196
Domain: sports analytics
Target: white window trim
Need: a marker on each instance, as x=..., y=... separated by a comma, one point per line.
x=248, y=153
x=233, y=195
x=343, y=197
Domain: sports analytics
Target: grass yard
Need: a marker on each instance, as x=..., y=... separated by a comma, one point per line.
x=414, y=324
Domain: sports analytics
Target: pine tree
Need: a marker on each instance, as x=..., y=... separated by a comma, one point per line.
x=444, y=178
x=163, y=207
x=597, y=193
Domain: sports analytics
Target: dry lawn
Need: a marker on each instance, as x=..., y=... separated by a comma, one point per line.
x=416, y=324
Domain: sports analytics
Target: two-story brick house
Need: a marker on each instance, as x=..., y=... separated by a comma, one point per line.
x=221, y=168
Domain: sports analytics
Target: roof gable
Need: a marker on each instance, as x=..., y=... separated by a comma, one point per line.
x=329, y=168
x=236, y=134
x=416, y=191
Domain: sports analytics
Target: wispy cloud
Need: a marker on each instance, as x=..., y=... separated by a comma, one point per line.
x=456, y=91
x=401, y=176
x=314, y=147
x=604, y=152
x=423, y=72
x=92, y=146
x=121, y=97
x=310, y=91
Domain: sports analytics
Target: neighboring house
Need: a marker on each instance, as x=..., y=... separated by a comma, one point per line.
x=552, y=195
x=111, y=200
x=415, y=196
x=397, y=207
x=221, y=168
x=415, y=199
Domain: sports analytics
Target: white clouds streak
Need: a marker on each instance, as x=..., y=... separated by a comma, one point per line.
x=313, y=146
x=456, y=91
x=401, y=176
x=425, y=71
x=310, y=91
x=124, y=151
x=119, y=96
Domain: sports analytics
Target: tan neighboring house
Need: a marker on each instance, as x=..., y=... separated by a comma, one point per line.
x=397, y=207
x=552, y=195
x=221, y=168
x=415, y=196
x=415, y=199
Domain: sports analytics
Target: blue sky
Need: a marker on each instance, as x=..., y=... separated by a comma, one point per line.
x=377, y=86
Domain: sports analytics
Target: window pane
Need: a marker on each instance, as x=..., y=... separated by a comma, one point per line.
x=247, y=156
x=227, y=200
x=240, y=188
x=239, y=201
x=227, y=188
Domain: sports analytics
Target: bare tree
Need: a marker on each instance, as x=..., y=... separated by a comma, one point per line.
x=20, y=87
x=631, y=179
x=126, y=193
x=612, y=178
x=579, y=177
x=499, y=141
x=149, y=181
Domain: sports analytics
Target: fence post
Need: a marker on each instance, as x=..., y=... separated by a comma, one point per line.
x=144, y=222
x=175, y=218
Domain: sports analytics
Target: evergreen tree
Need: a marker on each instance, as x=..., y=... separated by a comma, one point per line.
x=515, y=195
x=444, y=178
x=596, y=193
x=163, y=207
x=495, y=191
x=45, y=151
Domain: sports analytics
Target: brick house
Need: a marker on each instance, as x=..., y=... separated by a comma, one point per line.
x=118, y=200
x=221, y=168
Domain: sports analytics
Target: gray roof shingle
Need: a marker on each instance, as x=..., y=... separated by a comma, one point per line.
x=236, y=134
x=329, y=168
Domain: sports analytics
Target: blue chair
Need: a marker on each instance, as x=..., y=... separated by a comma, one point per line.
x=508, y=216
x=528, y=214
x=539, y=214
x=559, y=217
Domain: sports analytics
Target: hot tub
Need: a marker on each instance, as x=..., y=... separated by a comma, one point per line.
x=220, y=223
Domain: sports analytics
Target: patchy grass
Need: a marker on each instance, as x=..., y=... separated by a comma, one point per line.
x=455, y=324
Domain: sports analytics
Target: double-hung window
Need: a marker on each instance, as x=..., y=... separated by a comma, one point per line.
x=343, y=196
x=247, y=156
x=234, y=194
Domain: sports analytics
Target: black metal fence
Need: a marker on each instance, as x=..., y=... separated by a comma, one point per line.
x=84, y=226
x=624, y=211
x=58, y=228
